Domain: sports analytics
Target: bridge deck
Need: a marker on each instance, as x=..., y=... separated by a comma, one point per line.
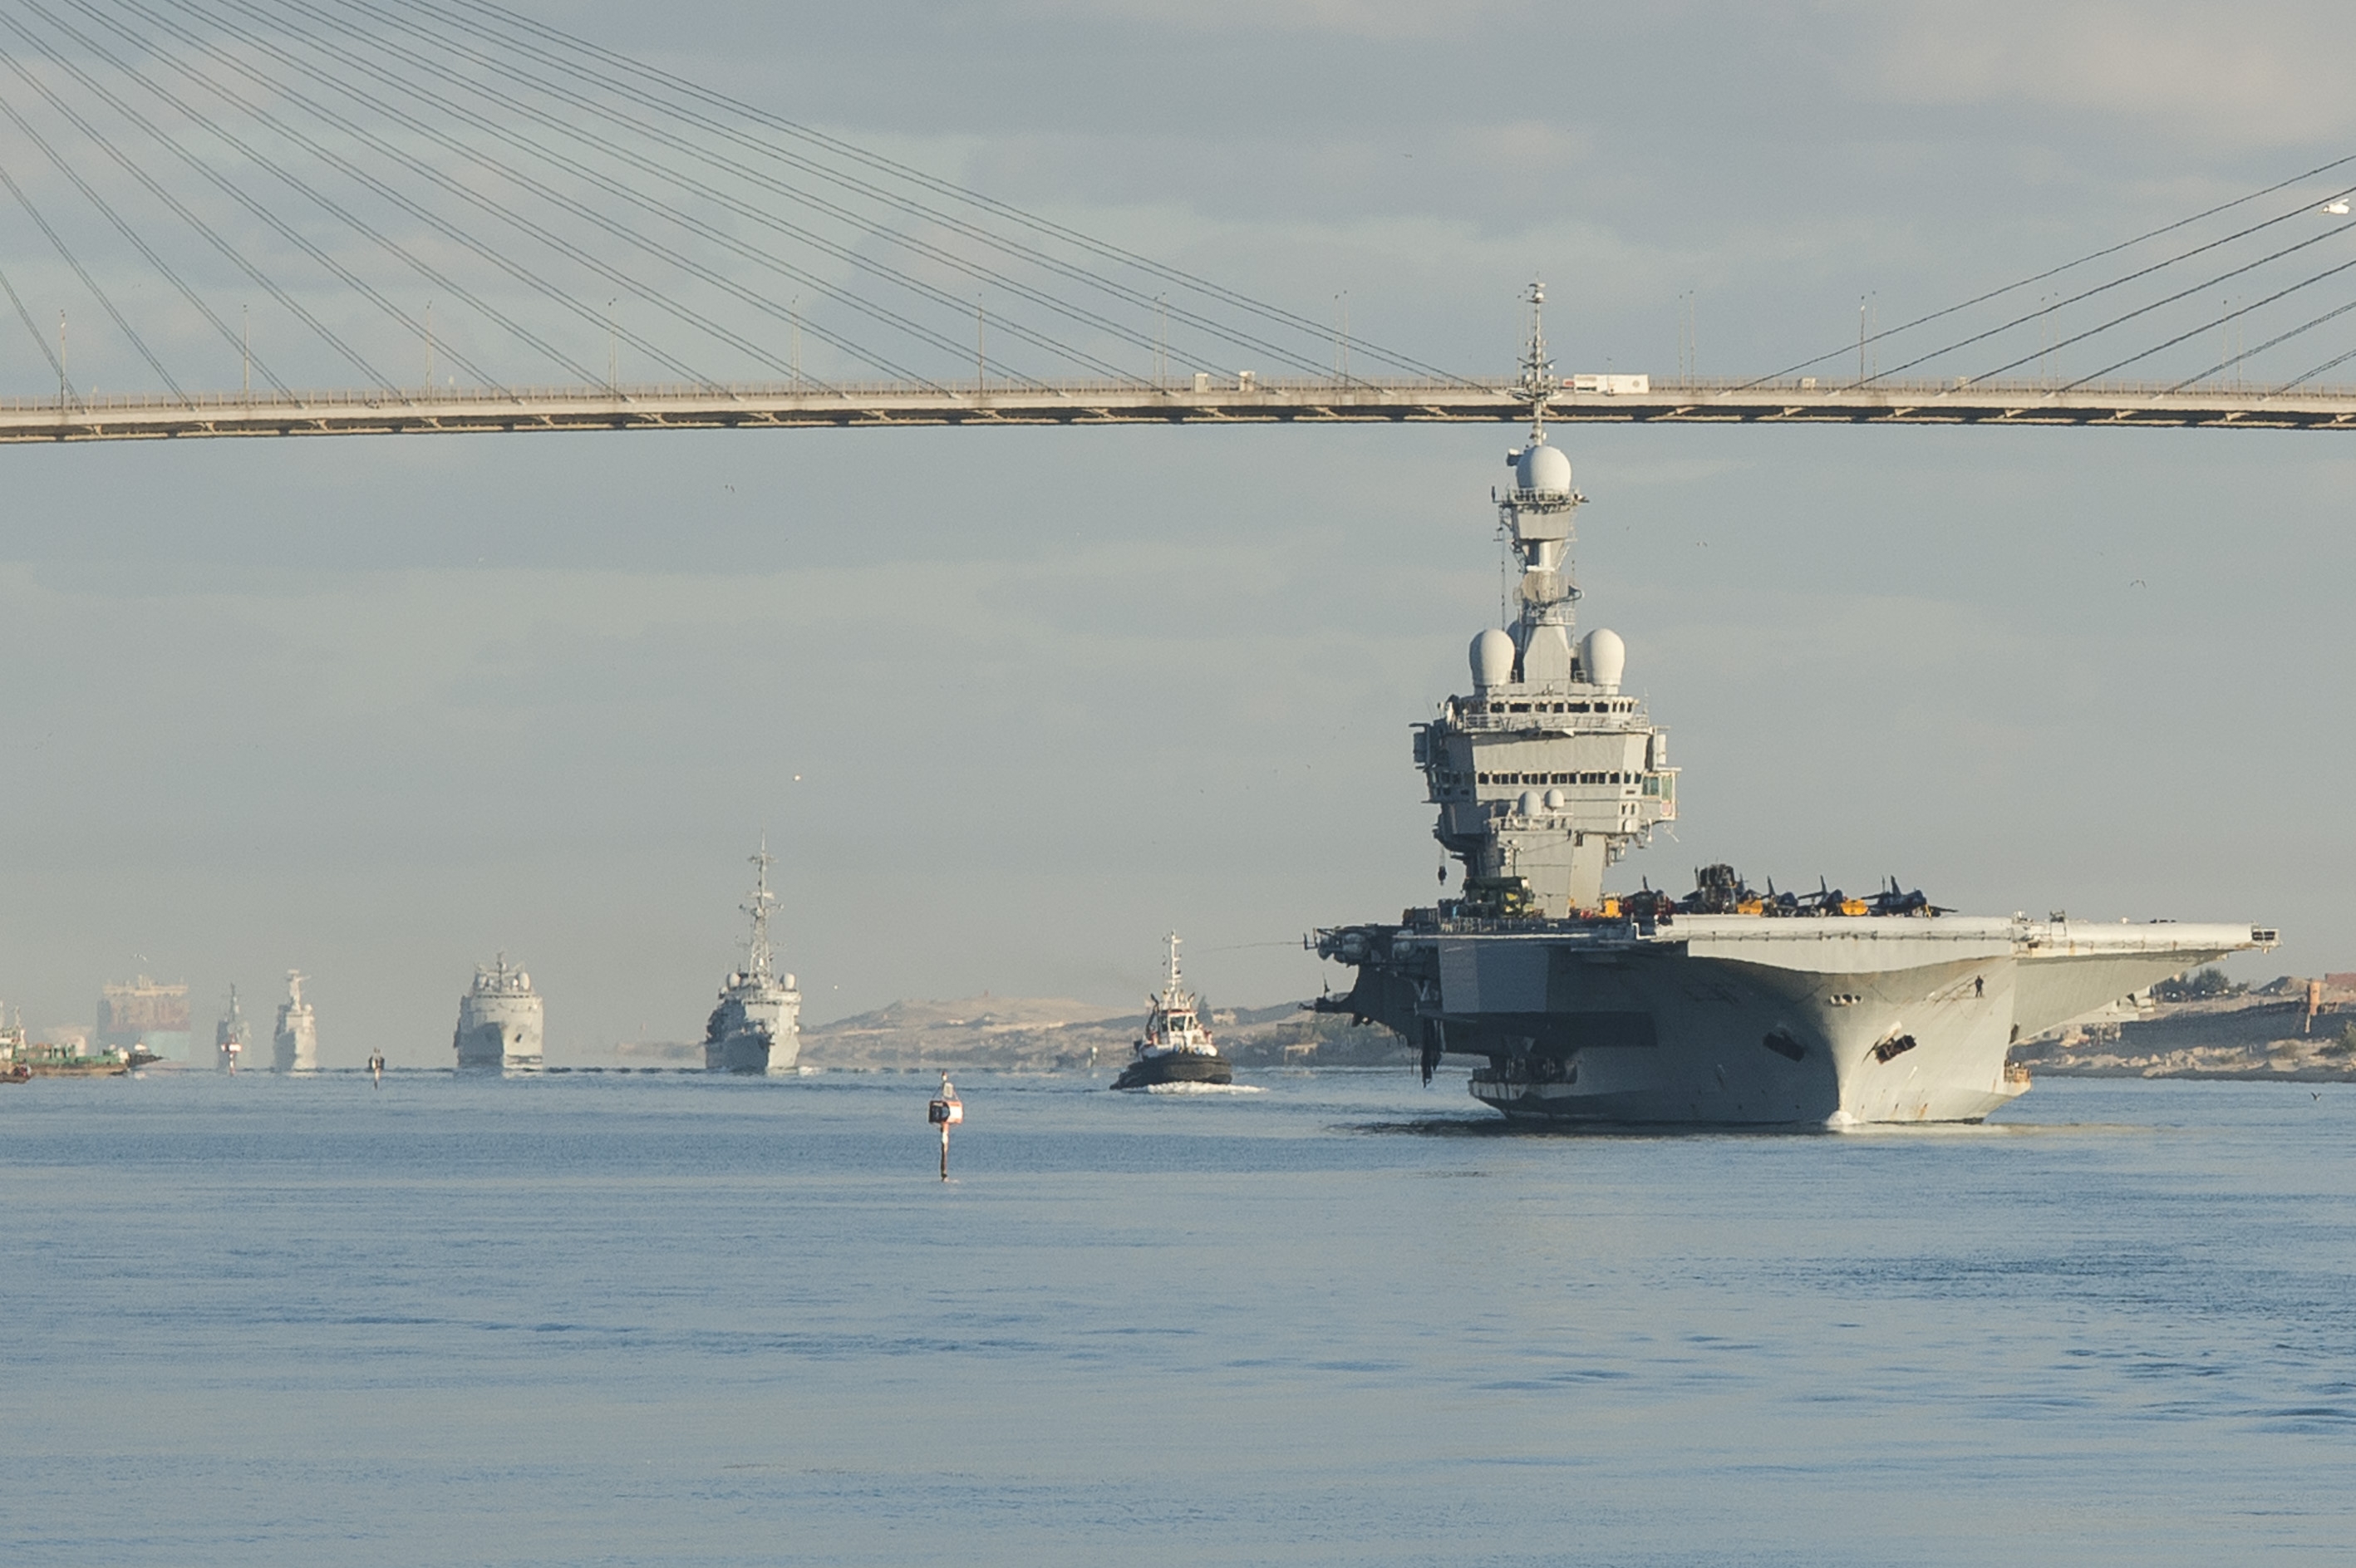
x=1256, y=402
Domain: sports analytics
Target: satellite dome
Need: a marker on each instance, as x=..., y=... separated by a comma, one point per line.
x=789, y=982
x=1554, y=800
x=1544, y=469
x=1530, y=802
x=1493, y=660
x=1605, y=657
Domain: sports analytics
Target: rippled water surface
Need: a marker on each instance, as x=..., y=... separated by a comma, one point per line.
x=624, y=1318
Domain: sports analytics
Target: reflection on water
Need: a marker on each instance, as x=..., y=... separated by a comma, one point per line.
x=651, y=1317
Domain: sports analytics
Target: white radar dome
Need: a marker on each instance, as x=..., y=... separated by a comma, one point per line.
x=1605, y=657
x=1531, y=804
x=1544, y=469
x=1555, y=799
x=1493, y=660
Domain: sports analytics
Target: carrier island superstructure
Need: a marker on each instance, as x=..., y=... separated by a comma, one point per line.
x=1724, y=1007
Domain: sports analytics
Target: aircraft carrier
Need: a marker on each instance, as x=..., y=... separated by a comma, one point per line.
x=1724, y=1007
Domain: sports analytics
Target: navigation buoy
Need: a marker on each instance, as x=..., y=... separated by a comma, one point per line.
x=945, y=1112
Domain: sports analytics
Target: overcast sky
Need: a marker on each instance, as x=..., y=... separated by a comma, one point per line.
x=377, y=708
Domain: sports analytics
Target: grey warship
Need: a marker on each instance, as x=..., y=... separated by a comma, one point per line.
x=499, y=1021
x=756, y=1028
x=1724, y=1007
x=295, y=1043
x=230, y=1036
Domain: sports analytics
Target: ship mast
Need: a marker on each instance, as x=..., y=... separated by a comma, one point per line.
x=763, y=900
x=1170, y=991
x=1537, y=384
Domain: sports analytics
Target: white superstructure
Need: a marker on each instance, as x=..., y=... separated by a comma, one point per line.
x=295, y=1043
x=1725, y=1005
x=500, y=1020
x=756, y=1027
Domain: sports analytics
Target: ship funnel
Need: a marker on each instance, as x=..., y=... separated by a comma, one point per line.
x=1605, y=657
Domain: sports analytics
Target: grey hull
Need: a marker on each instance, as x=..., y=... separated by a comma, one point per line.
x=750, y=1053
x=1732, y=1021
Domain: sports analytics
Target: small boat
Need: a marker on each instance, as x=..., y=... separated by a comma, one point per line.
x=1175, y=1047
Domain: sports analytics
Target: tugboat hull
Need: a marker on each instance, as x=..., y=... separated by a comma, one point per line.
x=1178, y=1067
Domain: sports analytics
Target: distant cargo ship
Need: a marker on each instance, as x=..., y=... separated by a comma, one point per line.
x=500, y=1020
x=756, y=1028
x=145, y=1020
x=295, y=1044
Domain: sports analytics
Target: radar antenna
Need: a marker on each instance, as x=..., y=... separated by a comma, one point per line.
x=1538, y=384
x=763, y=900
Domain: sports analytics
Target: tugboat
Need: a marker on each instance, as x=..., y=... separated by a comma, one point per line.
x=1175, y=1047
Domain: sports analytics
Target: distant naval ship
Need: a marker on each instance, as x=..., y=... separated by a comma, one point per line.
x=756, y=1028
x=295, y=1044
x=229, y=1036
x=498, y=1019
x=1725, y=1005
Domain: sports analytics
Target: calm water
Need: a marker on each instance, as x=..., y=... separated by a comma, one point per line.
x=650, y=1319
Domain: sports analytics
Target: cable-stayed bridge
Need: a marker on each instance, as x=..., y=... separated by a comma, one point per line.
x=1406, y=401
x=309, y=193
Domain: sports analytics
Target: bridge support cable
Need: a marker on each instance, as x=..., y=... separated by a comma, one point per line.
x=2276, y=341
x=561, y=170
x=653, y=206
x=674, y=178
x=498, y=212
x=2216, y=322
x=633, y=74
x=40, y=338
x=426, y=270
x=2137, y=314
x=106, y=144
x=256, y=208
x=2092, y=256
x=106, y=301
